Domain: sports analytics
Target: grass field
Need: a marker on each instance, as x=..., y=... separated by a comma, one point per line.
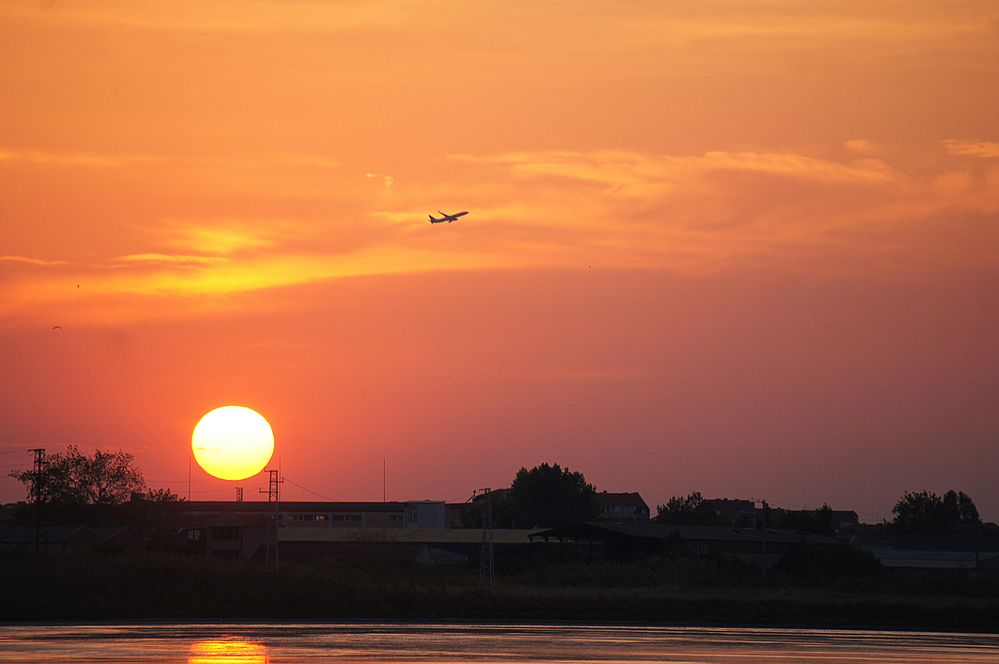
x=84, y=587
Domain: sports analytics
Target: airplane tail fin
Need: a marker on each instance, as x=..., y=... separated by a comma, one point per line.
x=431, y=218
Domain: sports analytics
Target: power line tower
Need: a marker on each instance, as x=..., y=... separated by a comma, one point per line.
x=273, y=492
x=274, y=483
x=37, y=489
x=487, y=565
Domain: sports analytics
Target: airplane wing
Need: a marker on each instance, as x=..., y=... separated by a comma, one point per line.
x=445, y=216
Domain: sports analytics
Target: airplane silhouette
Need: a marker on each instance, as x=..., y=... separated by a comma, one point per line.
x=447, y=217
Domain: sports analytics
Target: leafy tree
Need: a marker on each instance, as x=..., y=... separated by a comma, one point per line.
x=690, y=510
x=926, y=512
x=549, y=495
x=72, y=478
x=817, y=521
x=162, y=496
x=963, y=505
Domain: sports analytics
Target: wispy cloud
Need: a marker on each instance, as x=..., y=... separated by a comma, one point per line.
x=84, y=159
x=691, y=21
x=861, y=171
x=982, y=149
x=27, y=260
x=219, y=237
x=73, y=159
x=177, y=260
x=193, y=289
x=634, y=173
x=863, y=146
x=224, y=16
x=387, y=180
x=693, y=214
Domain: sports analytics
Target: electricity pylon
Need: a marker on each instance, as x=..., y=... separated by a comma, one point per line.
x=487, y=565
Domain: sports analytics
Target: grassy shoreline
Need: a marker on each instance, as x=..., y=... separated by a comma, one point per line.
x=151, y=588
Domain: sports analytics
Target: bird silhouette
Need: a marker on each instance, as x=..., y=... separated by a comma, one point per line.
x=57, y=327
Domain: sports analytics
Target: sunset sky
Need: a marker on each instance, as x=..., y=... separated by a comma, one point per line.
x=746, y=248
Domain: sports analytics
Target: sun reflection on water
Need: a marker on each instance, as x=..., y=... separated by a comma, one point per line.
x=227, y=652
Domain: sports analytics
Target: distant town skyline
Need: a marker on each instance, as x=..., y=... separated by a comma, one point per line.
x=743, y=249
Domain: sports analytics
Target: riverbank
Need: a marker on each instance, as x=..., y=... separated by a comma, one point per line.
x=169, y=588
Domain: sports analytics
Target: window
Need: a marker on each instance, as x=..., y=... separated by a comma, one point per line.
x=346, y=517
x=308, y=518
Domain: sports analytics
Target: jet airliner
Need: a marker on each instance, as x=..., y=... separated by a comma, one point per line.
x=447, y=217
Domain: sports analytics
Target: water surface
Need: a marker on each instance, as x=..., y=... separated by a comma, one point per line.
x=390, y=642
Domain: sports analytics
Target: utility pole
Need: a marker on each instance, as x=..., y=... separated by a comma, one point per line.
x=487, y=566
x=765, y=539
x=37, y=485
x=274, y=482
x=764, y=533
x=765, y=506
x=978, y=548
x=239, y=494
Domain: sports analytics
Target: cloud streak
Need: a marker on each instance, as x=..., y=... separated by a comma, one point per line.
x=692, y=214
x=635, y=173
x=171, y=260
x=220, y=237
x=981, y=149
x=27, y=260
x=122, y=159
x=72, y=159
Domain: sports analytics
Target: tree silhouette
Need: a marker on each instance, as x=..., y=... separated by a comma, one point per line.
x=818, y=521
x=549, y=495
x=926, y=512
x=162, y=496
x=688, y=510
x=72, y=478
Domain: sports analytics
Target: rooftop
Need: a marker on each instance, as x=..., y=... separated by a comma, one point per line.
x=405, y=535
x=629, y=499
x=591, y=530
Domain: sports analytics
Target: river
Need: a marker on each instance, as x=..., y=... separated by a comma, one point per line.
x=408, y=642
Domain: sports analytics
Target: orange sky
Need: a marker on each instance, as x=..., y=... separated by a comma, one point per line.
x=743, y=248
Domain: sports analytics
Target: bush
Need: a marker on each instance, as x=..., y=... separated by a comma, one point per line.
x=814, y=562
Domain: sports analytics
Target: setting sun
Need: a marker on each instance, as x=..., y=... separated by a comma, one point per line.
x=232, y=442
